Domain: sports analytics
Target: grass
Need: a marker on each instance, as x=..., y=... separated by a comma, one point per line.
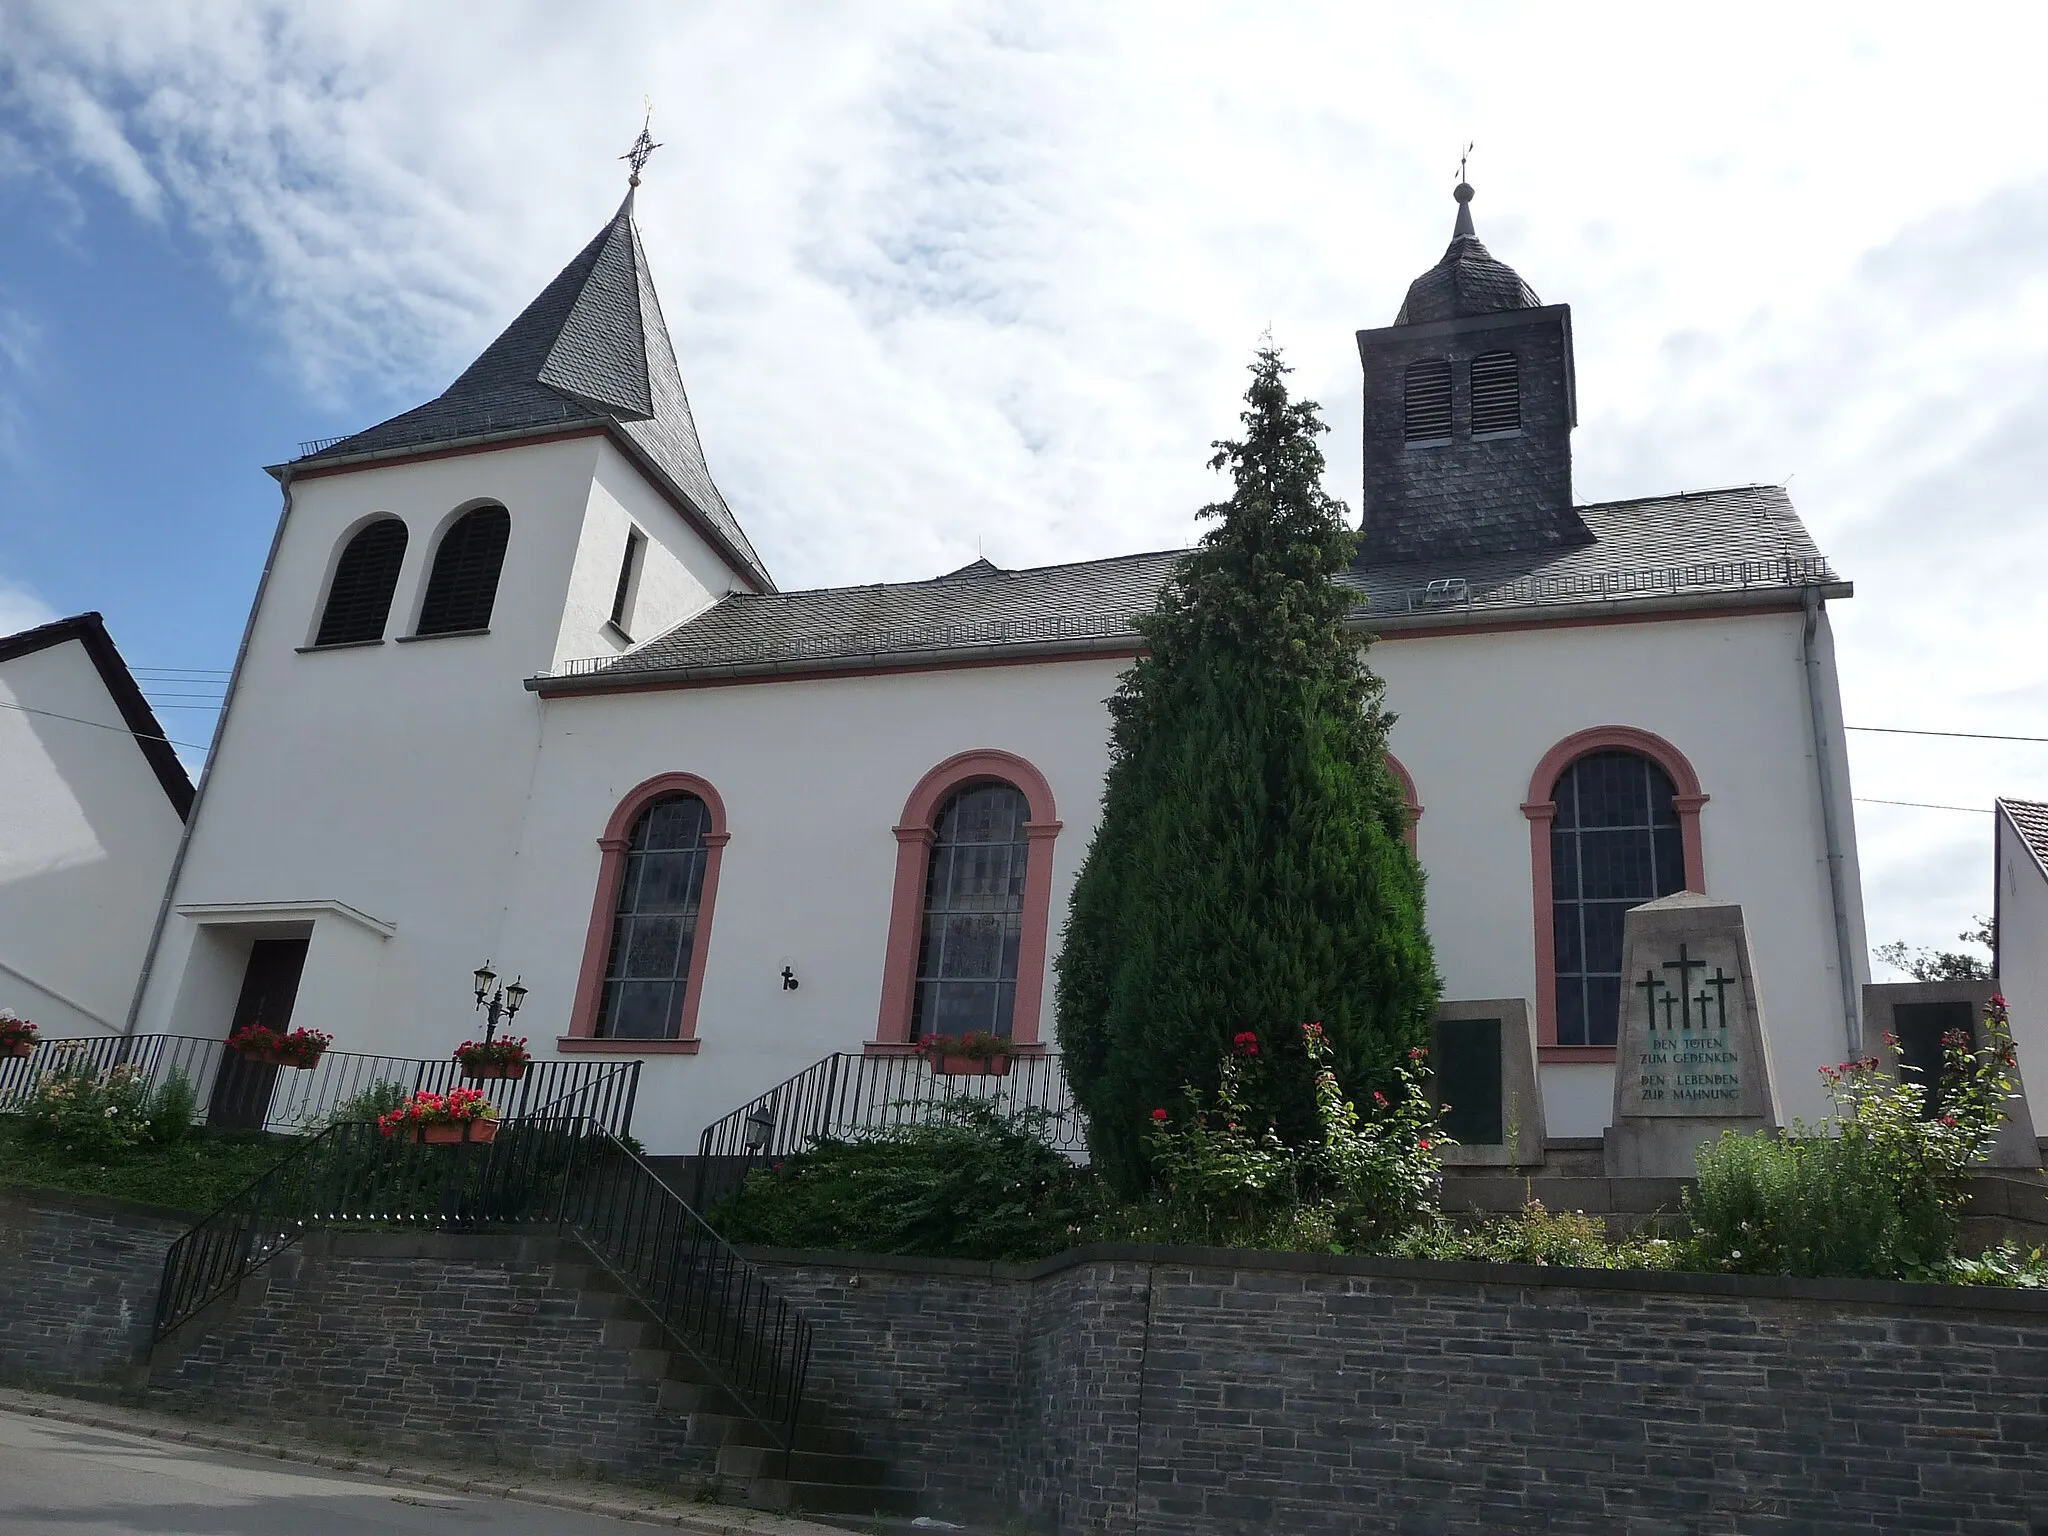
x=196, y=1174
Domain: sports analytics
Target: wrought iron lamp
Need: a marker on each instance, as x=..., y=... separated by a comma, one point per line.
x=496, y=1002
x=760, y=1126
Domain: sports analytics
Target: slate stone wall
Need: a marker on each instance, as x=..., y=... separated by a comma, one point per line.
x=1192, y=1392
x=78, y=1282
x=450, y=1345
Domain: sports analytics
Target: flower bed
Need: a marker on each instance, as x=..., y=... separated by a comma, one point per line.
x=301, y=1049
x=459, y=1115
x=499, y=1059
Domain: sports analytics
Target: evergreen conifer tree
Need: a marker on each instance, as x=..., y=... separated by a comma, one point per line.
x=1250, y=869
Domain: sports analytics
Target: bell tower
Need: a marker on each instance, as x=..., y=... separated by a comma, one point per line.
x=1469, y=409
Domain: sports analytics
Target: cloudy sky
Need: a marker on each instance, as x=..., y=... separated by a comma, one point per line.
x=957, y=276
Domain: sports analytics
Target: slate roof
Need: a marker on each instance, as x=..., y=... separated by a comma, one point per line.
x=2029, y=818
x=1742, y=541
x=1469, y=280
x=90, y=631
x=591, y=351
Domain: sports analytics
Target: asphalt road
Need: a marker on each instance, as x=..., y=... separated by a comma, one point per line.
x=63, y=1478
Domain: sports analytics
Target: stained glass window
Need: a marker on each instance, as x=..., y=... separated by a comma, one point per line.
x=973, y=914
x=1614, y=845
x=655, y=926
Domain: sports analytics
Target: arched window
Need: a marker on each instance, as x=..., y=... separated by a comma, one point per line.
x=359, y=597
x=1405, y=781
x=1614, y=822
x=1496, y=394
x=464, y=583
x=1426, y=402
x=650, y=924
x=967, y=928
x=973, y=914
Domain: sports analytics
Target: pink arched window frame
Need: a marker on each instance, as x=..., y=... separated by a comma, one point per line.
x=1541, y=810
x=583, y=1038
x=914, y=837
x=1406, y=782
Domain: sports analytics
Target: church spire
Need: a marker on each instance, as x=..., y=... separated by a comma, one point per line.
x=1468, y=281
x=1463, y=229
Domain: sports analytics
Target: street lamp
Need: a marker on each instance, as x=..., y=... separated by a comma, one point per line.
x=760, y=1126
x=496, y=1003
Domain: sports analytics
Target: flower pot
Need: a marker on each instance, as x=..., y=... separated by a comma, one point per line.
x=18, y=1048
x=971, y=1066
x=441, y=1133
x=276, y=1059
x=495, y=1070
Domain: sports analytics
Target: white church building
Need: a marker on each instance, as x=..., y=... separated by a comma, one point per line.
x=516, y=686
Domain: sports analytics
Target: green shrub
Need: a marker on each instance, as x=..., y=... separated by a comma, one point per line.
x=1250, y=861
x=171, y=1109
x=2006, y=1265
x=1878, y=1191
x=374, y=1102
x=1534, y=1235
x=86, y=1112
x=967, y=1184
x=1224, y=1173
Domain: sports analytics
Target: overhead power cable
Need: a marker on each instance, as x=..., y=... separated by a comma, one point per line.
x=1900, y=730
x=1925, y=805
x=101, y=725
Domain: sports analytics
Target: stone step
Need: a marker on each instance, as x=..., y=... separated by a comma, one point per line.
x=790, y=1497
x=755, y=1462
x=693, y=1397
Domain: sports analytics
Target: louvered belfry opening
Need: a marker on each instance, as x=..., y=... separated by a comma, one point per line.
x=464, y=585
x=1496, y=393
x=1426, y=402
x=359, y=600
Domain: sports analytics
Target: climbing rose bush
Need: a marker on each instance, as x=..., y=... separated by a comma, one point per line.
x=87, y=1112
x=1223, y=1174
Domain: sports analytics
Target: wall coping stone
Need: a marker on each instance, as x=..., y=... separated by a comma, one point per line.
x=1953, y=1298
x=95, y=1205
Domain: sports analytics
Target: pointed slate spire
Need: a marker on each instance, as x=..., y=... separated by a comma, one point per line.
x=591, y=350
x=1468, y=281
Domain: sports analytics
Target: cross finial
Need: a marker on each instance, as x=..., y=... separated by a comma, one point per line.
x=642, y=148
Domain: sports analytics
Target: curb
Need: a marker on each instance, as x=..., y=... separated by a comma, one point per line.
x=737, y=1523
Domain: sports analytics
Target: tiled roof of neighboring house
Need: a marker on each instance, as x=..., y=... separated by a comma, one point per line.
x=1706, y=545
x=90, y=631
x=2029, y=818
x=591, y=351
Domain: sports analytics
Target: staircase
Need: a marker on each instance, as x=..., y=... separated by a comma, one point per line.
x=823, y=1472
x=730, y=1355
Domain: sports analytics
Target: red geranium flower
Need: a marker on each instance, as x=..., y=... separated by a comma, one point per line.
x=1246, y=1043
x=1159, y=1114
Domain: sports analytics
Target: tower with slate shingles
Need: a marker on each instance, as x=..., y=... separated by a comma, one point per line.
x=1469, y=410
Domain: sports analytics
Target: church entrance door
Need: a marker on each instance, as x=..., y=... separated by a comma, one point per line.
x=241, y=1088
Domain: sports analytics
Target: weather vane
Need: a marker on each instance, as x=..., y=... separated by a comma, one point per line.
x=642, y=148
x=1461, y=159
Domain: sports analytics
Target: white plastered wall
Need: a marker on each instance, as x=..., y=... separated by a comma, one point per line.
x=814, y=775
x=2022, y=898
x=86, y=840
x=392, y=779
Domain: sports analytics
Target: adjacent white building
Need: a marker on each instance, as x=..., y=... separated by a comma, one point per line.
x=516, y=686
x=2020, y=924
x=92, y=806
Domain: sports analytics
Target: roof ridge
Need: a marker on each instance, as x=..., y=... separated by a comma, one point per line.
x=1719, y=490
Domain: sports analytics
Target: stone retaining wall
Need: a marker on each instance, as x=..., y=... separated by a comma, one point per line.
x=78, y=1283
x=452, y=1345
x=1191, y=1391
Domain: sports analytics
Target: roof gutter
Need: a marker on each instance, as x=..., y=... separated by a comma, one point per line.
x=1126, y=642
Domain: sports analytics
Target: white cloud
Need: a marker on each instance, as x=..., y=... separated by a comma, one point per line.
x=21, y=609
x=946, y=273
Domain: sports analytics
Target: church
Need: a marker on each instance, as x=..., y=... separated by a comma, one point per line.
x=516, y=686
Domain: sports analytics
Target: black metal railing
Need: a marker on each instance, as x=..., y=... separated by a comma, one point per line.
x=848, y=1096
x=569, y=1172
x=351, y=1174
x=234, y=1092
x=711, y=1302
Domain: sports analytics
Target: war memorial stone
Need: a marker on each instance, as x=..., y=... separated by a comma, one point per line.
x=1483, y=1076
x=1918, y=1014
x=1691, y=1059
